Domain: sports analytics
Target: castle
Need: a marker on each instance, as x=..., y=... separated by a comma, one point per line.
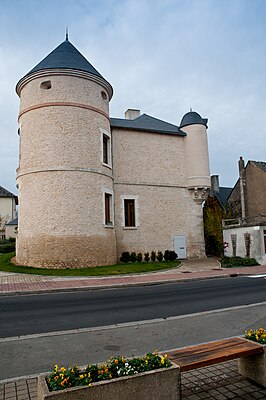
x=91, y=186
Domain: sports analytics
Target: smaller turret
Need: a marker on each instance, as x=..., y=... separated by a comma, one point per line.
x=196, y=154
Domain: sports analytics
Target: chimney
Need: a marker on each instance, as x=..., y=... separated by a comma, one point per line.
x=241, y=166
x=131, y=113
x=215, y=188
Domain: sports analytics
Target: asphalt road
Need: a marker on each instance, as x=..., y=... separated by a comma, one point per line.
x=32, y=314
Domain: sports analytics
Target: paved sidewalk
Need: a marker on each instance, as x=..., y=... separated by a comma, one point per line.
x=219, y=382
x=12, y=283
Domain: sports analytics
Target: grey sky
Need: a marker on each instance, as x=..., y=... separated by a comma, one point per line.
x=161, y=56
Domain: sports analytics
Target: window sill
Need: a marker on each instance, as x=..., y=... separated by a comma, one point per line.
x=109, y=226
x=107, y=166
x=130, y=228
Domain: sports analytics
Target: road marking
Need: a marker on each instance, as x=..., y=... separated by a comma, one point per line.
x=256, y=276
x=127, y=324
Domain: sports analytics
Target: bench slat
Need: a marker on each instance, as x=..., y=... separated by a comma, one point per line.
x=213, y=352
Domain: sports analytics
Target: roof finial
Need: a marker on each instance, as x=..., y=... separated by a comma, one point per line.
x=67, y=33
x=190, y=109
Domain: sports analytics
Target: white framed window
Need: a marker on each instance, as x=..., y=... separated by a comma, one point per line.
x=108, y=208
x=130, y=211
x=106, y=148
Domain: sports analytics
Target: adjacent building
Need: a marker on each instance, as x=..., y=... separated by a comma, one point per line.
x=91, y=186
x=246, y=233
x=8, y=203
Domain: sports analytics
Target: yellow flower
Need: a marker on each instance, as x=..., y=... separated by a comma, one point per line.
x=106, y=370
x=162, y=360
x=116, y=361
x=147, y=362
x=81, y=376
x=89, y=375
x=63, y=369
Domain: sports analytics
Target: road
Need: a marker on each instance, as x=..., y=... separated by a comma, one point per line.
x=33, y=314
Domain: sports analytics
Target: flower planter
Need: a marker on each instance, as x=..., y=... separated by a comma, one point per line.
x=254, y=367
x=159, y=384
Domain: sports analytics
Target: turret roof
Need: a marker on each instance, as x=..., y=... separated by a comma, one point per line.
x=192, y=118
x=65, y=56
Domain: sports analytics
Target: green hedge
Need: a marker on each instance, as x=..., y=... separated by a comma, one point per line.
x=229, y=262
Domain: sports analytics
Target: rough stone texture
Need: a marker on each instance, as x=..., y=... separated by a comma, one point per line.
x=151, y=167
x=61, y=177
x=153, y=385
x=254, y=367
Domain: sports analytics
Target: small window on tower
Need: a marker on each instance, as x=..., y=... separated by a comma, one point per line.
x=104, y=95
x=108, y=209
x=106, y=152
x=129, y=208
x=46, y=85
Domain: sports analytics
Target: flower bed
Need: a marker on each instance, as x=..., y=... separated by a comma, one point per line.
x=118, y=378
x=254, y=367
x=258, y=336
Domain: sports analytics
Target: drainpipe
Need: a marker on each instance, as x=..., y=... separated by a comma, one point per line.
x=241, y=166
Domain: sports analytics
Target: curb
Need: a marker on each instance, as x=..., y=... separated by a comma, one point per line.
x=123, y=285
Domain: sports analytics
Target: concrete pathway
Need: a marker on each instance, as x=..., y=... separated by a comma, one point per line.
x=12, y=283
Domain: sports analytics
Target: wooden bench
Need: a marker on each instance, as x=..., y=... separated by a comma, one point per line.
x=205, y=354
x=251, y=357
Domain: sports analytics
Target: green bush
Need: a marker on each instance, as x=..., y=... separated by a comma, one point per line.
x=166, y=255
x=172, y=255
x=229, y=262
x=12, y=239
x=153, y=256
x=125, y=257
x=133, y=256
x=159, y=256
x=147, y=257
x=7, y=247
x=139, y=257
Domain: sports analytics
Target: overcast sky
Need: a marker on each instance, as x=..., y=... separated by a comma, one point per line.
x=160, y=56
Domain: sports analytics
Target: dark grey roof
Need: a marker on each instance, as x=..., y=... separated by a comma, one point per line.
x=192, y=118
x=14, y=222
x=223, y=195
x=65, y=56
x=148, y=124
x=5, y=193
x=260, y=164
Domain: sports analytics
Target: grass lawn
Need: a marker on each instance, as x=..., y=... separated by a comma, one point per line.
x=117, y=269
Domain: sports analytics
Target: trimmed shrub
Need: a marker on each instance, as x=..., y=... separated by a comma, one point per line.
x=159, y=256
x=125, y=257
x=166, y=255
x=12, y=239
x=7, y=248
x=133, y=256
x=153, y=256
x=139, y=257
x=146, y=257
x=229, y=262
x=172, y=255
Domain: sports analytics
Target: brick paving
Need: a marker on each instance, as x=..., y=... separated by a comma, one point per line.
x=191, y=269
x=219, y=382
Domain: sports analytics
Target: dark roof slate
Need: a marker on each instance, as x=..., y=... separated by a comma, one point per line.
x=192, y=118
x=260, y=164
x=5, y=193
x=148, y=124
x=223, y=195
x=65, y=56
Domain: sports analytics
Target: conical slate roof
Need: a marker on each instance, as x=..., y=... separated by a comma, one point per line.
x=65, y=56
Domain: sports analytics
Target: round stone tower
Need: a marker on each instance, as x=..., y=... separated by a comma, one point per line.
x=196, y=153
x=65, y=175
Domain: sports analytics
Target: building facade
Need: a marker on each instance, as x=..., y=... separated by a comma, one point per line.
x=91, y=186
x=8, y=203
x=245, y=234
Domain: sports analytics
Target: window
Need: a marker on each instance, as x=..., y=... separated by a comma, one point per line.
x=129, y=207
x=108, y=207
x=106, y=148
x=46, y=85
x=264, y=236
x=108, y=204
